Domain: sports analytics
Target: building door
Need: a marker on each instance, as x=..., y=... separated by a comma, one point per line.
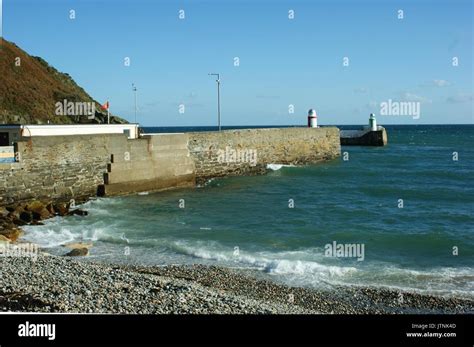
x=4, y=139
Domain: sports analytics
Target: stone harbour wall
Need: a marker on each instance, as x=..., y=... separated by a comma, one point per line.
x=67, y=167
x=57, y=167
x=153, y=162
x=248, y=151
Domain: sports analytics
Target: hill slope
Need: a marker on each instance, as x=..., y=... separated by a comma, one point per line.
x=29, y=92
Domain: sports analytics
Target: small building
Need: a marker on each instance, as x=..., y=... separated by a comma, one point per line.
x=12, y=133
x=9, y=134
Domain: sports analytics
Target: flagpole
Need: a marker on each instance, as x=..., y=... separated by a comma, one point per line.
x=134, y=88
x=105, y=107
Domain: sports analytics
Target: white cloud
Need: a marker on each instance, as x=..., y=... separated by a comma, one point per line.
x=462, y=97
x=406, y=96
x=441, y=83
x=436, y=83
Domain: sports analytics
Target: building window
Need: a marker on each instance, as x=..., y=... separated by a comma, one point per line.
x=4, y=139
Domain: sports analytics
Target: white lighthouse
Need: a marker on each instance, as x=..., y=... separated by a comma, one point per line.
x=372, y=122
x=312, y=118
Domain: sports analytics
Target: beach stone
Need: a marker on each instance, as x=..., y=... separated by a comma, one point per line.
x=3, y=212
x=78, y=252
x=34, y=205
x=15, y=212
x=38, y=210
x=78, y=212
x=10, y=208
x=4, y=223
x=43, y=214
x=61, y=208
x=12, y=233
x=26, y=216
x=67, y=285
x=50, y=208
x=78, y=245
x=18, y=222
x=3, y=238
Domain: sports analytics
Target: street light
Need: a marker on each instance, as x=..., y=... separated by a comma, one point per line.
x=134, y=88
x=218, y=80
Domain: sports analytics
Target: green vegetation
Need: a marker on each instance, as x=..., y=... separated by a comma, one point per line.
x=30, y=88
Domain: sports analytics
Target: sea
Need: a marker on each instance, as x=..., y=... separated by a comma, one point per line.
x=399, y=216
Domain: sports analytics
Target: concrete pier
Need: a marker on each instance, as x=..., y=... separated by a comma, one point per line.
x=364, y=137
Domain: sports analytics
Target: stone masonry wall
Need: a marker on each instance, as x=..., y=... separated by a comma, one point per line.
x=65, y=167
x=57, y=167
x=248, y=151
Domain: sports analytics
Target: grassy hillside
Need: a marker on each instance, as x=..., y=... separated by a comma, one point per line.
x=30, y=91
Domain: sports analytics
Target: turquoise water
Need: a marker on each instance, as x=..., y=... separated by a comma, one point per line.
x=247, y=221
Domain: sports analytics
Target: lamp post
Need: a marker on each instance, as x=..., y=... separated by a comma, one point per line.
x=218, y=80
x=134, y=88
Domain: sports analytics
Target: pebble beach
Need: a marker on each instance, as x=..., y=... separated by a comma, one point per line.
x=71, y=285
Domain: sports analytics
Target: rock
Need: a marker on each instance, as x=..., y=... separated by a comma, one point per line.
x=15, y=212
x=77, y=252
x=34, y=205
x=12, y=233
x=26, y=216
x=4, y=223
x=18, y=222
x=78, y=212
x=10, y=208
x=3, y=212
x=50, y=208
x=38, y=210
x=61, y=209
x=4, y=238
x=43, y=214
x=78, y=245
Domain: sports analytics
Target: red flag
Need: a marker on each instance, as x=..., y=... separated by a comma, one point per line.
x=105, y=106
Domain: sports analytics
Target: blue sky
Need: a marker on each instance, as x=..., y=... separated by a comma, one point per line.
x=283, y=61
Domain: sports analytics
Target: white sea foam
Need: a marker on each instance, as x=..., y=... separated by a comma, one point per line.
x=307, y=268
x=298, y=267
x=276, y=167
x=49, y=237
x=280, y=263
x=53, y=234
